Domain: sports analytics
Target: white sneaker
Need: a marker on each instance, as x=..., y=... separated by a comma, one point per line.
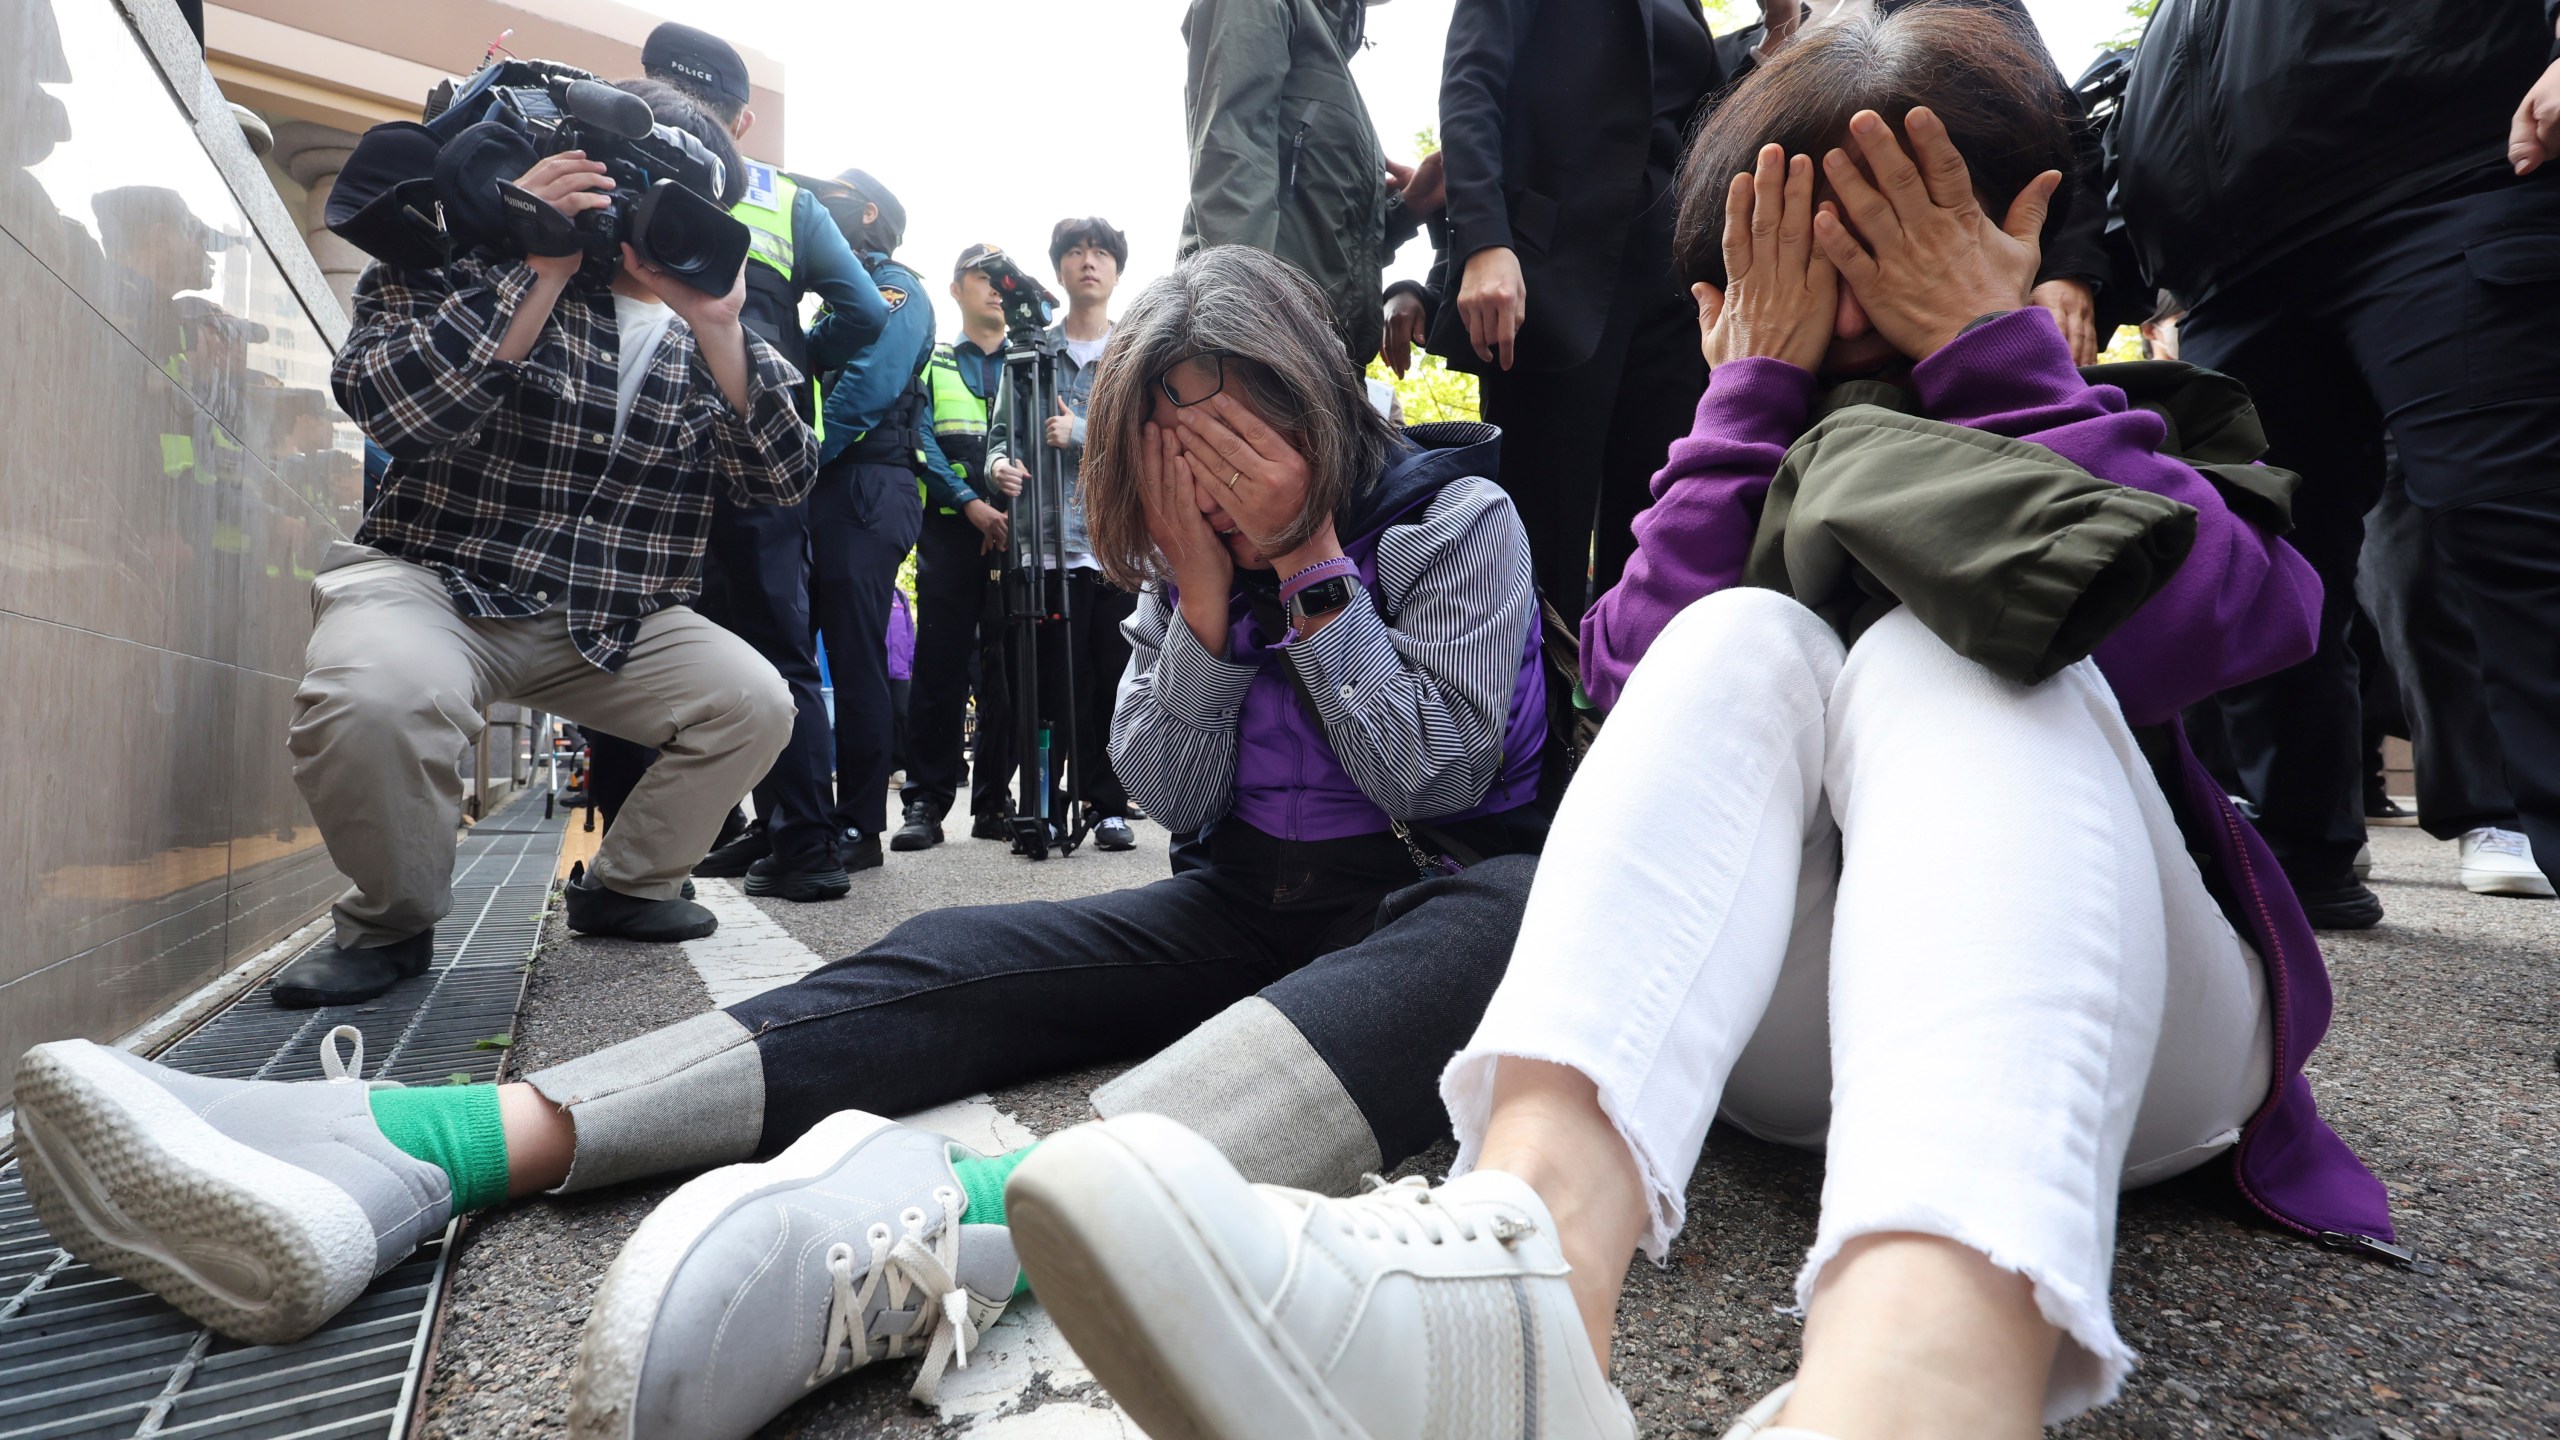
x=2364, y=863
x=2500, y=862
x=1214, y=1309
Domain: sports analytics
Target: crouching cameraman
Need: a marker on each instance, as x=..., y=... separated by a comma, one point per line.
x=558, y=427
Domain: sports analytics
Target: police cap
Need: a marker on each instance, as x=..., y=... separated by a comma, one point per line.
x=695, y=60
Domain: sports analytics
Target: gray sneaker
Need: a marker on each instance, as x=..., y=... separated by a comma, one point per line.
x=755, y=1284
x=258, y=1207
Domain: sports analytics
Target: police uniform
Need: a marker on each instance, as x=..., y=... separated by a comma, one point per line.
x=756, y=568
x=864, y=516
x=959, y=597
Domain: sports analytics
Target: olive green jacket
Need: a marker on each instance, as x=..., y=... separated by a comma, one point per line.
x=1283, y=157
x=2017, y=558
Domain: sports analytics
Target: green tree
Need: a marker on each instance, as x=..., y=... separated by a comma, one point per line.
x=2139, y=12
x=1726, y=16
x=1431, y=391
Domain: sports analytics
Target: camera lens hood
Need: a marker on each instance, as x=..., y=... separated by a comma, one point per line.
x=689, y=237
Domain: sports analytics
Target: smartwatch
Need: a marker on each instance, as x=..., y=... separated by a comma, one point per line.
x=1318, y=600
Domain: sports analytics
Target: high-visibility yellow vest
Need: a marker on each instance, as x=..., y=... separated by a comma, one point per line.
x=957, y=409
x=766, y=212
x=960, y=415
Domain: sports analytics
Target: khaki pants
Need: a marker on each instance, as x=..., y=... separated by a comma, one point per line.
x=394, y=685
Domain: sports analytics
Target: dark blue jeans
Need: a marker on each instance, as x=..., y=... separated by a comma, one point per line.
x=1385, y=977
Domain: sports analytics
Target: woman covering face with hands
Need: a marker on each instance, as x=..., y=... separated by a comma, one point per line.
x=1755, y=904
x=1224, y=491
x=1883, y=262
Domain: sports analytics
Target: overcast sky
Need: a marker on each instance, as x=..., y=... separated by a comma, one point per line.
x=991, y=119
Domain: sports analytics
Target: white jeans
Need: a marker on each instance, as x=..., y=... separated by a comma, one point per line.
x=1995, y=991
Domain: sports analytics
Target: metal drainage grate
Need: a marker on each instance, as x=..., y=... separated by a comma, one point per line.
x=86, y=1354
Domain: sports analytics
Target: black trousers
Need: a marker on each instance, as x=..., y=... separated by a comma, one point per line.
x=959, y=619
x=863, y=519
x=1385, y=978
x=2507, y=553
x=755, y=584
x=2422, y=623
x=1580, y=446
x=2434, y=320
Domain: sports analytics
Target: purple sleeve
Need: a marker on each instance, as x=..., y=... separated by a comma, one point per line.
x=1706, y=503
x=2243, y=605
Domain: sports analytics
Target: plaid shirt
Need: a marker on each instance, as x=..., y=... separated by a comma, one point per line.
x=505, y=477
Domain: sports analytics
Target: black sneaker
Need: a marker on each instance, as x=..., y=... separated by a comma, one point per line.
x=731, y=860
x=340, y=976
x=2337, y=901
x=989, y=825
x=1113, y=833
x=861, y=852
x=595, y=910
x=820, y=877
x=922, y=830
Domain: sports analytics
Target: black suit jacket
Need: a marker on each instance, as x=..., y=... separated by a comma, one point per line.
x=1546, y=110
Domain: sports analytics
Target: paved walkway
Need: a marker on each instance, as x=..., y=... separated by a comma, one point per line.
x=2440, y=1068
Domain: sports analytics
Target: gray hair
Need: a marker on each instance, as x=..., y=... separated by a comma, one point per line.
x=1261, y=310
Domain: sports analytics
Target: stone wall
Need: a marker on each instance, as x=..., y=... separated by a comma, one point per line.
x=171, y=469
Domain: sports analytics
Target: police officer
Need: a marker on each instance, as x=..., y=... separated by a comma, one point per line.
x=756, y=569
x=867, y=509
x=959, y=569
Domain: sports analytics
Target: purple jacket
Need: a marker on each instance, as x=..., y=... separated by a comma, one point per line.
x=1427, y=700
x=2243, y=605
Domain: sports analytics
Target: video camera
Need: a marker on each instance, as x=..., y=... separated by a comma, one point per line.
x=1027, y=302
x=418, y=194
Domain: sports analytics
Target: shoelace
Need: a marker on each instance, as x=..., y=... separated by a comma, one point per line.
x=2500, y=842
x=909, y=1267
x=1405, y=1211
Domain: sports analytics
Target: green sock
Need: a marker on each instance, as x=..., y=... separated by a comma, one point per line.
x=982, y=1182
x=455, y=1128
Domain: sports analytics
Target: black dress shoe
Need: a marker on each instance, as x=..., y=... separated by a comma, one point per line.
x=989, y=825
x=1113, y=833
x=731, y=860
x=862, y=854
x=2382, y=809
x=595, y=910
x=922, y=830
x=339, y=976
x=820, y=877
x=2337, y=901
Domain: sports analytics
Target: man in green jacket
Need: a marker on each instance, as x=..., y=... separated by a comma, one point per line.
x=1283, y=157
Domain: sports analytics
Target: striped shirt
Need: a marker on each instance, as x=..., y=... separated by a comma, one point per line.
x=507, y=478
x=1413, y=688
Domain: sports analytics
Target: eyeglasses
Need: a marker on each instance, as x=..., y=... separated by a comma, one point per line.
x=1191, y=381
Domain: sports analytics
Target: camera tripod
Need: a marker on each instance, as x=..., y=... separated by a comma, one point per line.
x=1037, y=599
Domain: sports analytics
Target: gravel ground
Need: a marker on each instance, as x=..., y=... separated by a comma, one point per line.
x=2439, y=1069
